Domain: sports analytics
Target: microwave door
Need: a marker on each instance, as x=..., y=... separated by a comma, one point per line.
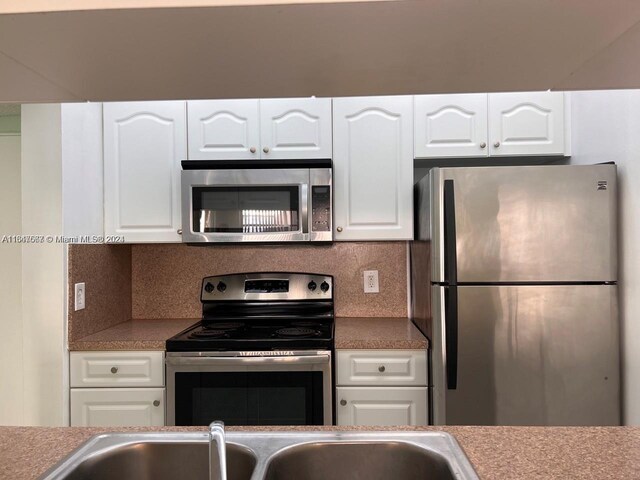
x=245, y=205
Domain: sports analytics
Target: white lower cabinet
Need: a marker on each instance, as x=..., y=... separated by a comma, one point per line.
x=117, y=407
x=381, y=406
x=128, y=399
x=381, y=387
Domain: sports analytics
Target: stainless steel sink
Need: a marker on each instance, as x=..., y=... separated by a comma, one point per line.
x=270, y=456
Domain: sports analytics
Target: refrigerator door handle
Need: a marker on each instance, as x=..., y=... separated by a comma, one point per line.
x=451, y=336
x=450, y=253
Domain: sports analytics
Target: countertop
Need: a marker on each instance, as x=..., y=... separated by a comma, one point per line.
x=351, y=333
x=505, y=453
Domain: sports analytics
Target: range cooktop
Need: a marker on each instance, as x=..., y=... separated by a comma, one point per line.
x=260, y=312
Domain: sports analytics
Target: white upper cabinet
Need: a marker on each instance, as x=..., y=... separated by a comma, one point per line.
x=223, y=129
x=144, y=143
x=450, y=126
x=373, y=168
x=529, y=123
x=287, y=128
x=295, y=128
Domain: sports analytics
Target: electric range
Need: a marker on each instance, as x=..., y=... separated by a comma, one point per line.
x=261, y=355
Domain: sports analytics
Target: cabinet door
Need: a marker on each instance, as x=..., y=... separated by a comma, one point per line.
x=144, y=143
x=381, y=406
x=450, y=126
x=295, y=128
x=530, y=123
x=223, y=129
x=117, y=407
x=373, y=168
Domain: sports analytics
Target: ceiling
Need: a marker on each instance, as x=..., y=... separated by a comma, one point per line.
x=318, y=48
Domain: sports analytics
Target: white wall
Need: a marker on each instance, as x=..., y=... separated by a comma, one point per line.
x=43, y=268
x=606, y=127
x=11, y=403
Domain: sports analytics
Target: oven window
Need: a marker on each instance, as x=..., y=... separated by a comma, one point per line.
x=249, y=209
x=249, y=398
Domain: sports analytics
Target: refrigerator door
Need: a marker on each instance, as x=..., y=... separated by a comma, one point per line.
x=528, y=355
x=521, y=224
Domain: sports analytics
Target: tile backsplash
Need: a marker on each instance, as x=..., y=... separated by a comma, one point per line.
x=163, y=280
x=166, y=279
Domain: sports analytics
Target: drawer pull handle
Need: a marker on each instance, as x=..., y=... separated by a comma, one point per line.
x=156, y=403
x=343, y=402
x=114, y=369
x=381, y=368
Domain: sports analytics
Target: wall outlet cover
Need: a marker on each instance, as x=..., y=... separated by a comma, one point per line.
x=371, y=281
x=80, y=296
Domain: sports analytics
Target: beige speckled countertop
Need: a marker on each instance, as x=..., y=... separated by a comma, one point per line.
x=378, y=333
x=505, y=453
x=356, y=333
x=134, y=335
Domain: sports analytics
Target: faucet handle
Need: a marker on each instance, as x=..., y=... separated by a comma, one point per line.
x=217, y=451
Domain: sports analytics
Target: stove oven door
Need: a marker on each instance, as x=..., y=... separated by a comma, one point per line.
x=294, y=388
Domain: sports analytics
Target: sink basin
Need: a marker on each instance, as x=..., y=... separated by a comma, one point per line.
x=355, y=461
x=269, y=456
x=160, y=461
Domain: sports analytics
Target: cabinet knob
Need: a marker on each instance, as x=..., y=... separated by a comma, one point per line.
x=497, y=144
x=343, y=402
x=114, y=369
x=339, y=229
x=483, y=145
x=381, y=368
x=252, y=149
x=265, y=149
x=179, y=231
x=156, y=403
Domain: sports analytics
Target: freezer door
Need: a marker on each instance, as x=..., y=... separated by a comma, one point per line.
x=528, y=355
x=523, y=224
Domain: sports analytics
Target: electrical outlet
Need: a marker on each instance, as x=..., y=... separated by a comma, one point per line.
x=80, y=296
x=371, y=281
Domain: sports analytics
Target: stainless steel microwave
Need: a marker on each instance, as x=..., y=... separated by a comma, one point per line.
x=257, y=201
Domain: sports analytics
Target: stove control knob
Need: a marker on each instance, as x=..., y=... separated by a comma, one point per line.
x=222, y=287
x=324, y=286
x=209, y=287
x=312, y=285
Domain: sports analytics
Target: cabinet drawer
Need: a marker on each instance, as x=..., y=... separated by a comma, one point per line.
x=381, y=405
x=381, y=367
x=117, y=407
x=113, y=369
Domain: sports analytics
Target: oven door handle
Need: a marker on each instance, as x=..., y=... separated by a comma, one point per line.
x=222, y=361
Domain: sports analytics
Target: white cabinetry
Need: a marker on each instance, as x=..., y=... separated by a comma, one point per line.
x=144, y=143
x=223, y=129
x=495, y=124
x=136, y=396
x=529, y=123
x=288, y=128
x=373, y=168
x=381, y=387
x=451, y=126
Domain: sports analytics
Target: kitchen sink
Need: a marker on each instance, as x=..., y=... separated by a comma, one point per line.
x=355, y=461
x=270, y=456
x=160, y=461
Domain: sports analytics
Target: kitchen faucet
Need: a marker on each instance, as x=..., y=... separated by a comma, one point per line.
x=217, y=452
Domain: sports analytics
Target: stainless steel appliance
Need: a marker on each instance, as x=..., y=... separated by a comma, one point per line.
x=257, y=201
x=261, y=355
x=514, y=276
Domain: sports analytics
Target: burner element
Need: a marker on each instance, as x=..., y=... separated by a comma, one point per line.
x=296, y=332
x=223, y=326
x=208, y=333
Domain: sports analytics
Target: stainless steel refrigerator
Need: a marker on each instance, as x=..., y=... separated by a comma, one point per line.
x=514, y=273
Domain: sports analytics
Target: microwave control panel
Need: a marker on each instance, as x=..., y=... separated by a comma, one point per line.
x=321, y=208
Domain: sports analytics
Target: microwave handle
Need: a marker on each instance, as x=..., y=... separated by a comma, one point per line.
x=304, y=207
